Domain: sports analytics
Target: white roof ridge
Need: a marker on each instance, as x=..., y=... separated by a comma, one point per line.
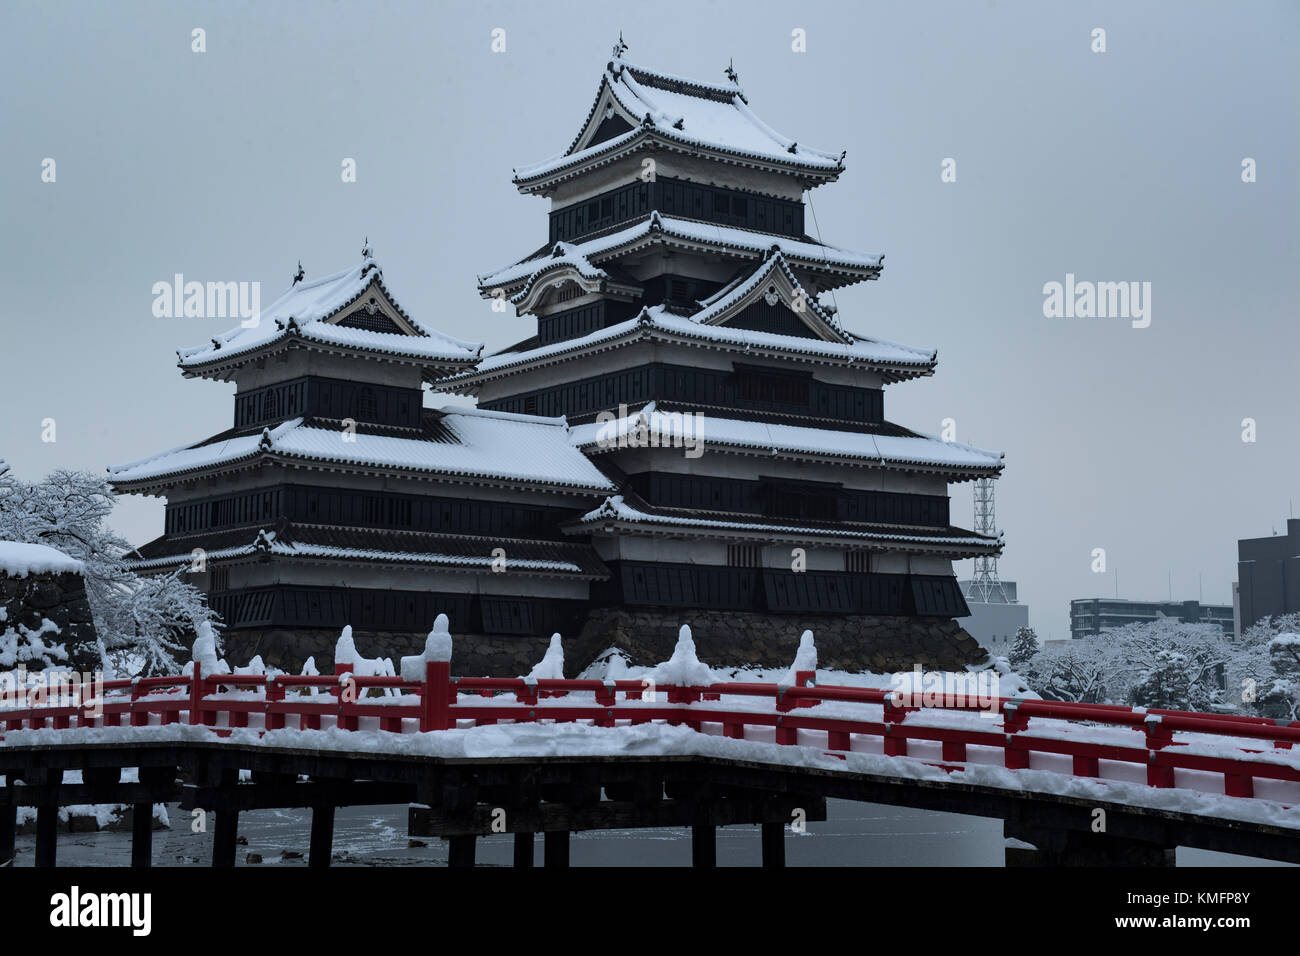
x=474, y=410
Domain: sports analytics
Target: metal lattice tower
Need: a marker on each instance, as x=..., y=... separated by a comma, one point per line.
x=985, y=583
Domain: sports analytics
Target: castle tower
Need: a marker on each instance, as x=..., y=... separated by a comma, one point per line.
x=337, y=499
x=683, y=332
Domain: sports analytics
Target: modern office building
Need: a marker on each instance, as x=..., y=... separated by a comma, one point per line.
x=1268, y=575
x=1091, y=616
x=994, y=617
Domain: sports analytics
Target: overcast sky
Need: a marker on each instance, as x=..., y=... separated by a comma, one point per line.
x=1117, y=166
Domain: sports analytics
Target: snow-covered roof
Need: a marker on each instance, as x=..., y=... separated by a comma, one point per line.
x=752, y=437
x=656, y=229
x=709, y=118
x=619, y=510
x=19, y=559
x=461, y=442
x=450, y=551
x=310, y=310
x=897, y=362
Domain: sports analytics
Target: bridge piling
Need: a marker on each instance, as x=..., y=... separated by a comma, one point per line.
x=460, y=851
x=773, y=844
x=322, y=835
x=8, y=831
x=142, y=836
x=224, y=837
x=524, y=849
x=47, y=834
x=555, y=850
x=704, y=846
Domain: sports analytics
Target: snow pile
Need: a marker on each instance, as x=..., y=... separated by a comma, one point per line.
x=23, y=645
x=551, y=666
x=19, y=560
x=205, y=653
x=805, y=659
x=437, y=647
x=345, y=653
x=683, y=668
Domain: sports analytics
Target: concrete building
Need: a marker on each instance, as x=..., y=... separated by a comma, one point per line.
x=1268, y=575
x=1091, y=616
x=994, y=620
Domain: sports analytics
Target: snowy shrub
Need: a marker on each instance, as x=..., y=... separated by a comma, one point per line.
x=1023, y=647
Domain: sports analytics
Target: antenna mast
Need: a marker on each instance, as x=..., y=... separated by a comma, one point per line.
x=986, y=584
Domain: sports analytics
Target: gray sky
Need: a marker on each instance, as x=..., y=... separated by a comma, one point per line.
x=1124, y=165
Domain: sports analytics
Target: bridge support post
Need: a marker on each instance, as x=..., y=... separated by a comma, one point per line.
x=322, y=835
x=8, y=830
x=523, y=849
x=556, y=848
x=47, y=835
x=1079, y=848
x=704, y=846
x=141, y=835
x=224, y=835
x=773, y=844
x=460, y=851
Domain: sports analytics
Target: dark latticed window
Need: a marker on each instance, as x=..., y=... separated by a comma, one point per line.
x=367, y=406
x=857, y=562
x=371, y=321
x=744, y=555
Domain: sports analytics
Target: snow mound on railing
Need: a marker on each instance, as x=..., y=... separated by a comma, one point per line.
x=437, y=647
x=805, y=659
x=345, y=653
x=205, y=653
x=551, y=666
x=683, y=668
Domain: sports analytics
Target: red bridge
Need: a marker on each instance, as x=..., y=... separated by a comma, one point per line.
x=754, y=752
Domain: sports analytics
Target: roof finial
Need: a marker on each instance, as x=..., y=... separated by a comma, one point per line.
x=366, y=251
x=731, y=71
x=620, y=47
x=299, y=275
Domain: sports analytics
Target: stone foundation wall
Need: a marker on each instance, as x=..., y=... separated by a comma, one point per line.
x=647, y=636
x=733, y=638
x=60, y=598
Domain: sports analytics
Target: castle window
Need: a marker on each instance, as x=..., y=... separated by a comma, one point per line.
x=367, y=406
x=744, y=555
x=857, y=562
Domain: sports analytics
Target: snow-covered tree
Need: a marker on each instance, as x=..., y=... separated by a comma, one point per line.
x=141, y=621
x=1075, y=671
x=1023, y=646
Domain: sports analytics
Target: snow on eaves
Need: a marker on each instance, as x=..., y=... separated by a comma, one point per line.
x=303, y=309
x=659, y=228
x=920, y=450
x=657, y=323
x=617, y=508
x=487, y=445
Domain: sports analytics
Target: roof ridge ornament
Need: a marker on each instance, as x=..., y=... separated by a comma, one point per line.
x=620, y=47
x=366, y=251
x=731, y=73
x=299, y=275
x=264, y=443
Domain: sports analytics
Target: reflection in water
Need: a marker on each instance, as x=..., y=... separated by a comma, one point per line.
x=857, y=834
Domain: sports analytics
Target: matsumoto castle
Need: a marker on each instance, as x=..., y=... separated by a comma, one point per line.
x=690, y=433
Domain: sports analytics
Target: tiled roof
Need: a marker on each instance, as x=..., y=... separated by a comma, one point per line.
x=303, y=310
x=714, y=118
x=468, y=442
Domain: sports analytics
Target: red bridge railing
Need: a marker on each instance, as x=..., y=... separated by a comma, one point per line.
x=1241, y=749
